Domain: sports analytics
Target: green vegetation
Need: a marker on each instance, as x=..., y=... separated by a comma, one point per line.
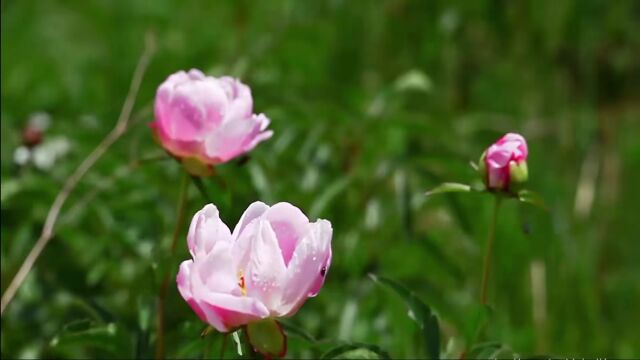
x=373, y=103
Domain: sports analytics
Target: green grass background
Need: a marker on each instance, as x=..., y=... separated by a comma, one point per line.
x=372, y=103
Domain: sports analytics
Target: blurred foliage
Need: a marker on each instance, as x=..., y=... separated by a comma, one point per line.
x=372, y=103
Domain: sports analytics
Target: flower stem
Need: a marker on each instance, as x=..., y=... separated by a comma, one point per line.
x=182, y=204
x=223, y=346
x=486, y=268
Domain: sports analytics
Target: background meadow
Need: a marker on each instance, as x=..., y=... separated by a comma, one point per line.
x=372, y=103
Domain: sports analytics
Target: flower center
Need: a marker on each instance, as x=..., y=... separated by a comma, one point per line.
x=241, y=283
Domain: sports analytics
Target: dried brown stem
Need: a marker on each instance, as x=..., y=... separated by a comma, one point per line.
x=74, y=179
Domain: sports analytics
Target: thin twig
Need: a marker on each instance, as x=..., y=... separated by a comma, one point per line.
x=99, y=187
x=182, y=204
x=74, y=179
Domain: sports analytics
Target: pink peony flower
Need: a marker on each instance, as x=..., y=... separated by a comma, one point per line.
x=206, y=118
x=272, y=262
x=505, y=162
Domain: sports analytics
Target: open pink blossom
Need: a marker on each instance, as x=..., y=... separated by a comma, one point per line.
x=206, y=118
x=505, y=162
x=272, y=262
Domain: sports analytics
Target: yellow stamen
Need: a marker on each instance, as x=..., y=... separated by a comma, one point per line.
x=241, y=283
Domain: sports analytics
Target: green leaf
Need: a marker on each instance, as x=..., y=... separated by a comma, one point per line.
x=267, y=338
x=109, y=337
x=483, y=350
x=418, y=312
x=236, y=338
x=9, y=188
x=449, y=187
x=491, y=350
x=327, y=196
x=413, y=80
x=197, y=181
x=356, y=351
x=476, y=320
x=294, y=330
x=532, y=198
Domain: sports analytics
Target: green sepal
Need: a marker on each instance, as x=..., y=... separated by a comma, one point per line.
x=518, y=172
x=196, y=167
x=267, y=338
x=482, y=166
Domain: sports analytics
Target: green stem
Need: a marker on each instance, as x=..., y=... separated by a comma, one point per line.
x=200, y=185
x=223, y=346
x=486, y=268
x=182, y=204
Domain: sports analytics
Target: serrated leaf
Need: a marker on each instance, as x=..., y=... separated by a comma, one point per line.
x=356, y=351
x=418, y=312
x=449, y=187
x=532, y=198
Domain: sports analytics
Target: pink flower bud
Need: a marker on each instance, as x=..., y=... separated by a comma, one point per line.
x=206, y=118
x=504, y=163
x=272, y=262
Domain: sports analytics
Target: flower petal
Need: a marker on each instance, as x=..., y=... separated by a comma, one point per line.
x=306, y=264
x=266, y=268
x=215, y=288
x=240, y=99
x=255, y=210
x=225, y=312
x=206, y=229
x=317, y=285
x=188, y=106
x=235, y=137
x=290, y=225
x=184, y=288
x=217, y=271
x=207, y=118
